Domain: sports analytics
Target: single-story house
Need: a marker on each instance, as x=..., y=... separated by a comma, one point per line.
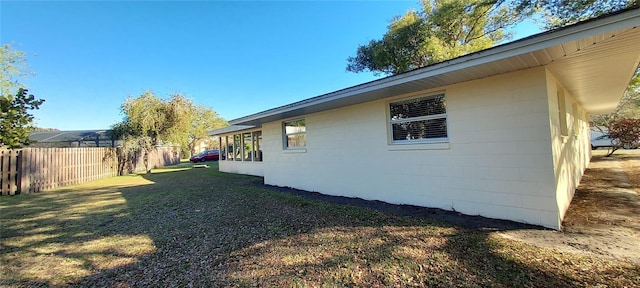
x=501, y=133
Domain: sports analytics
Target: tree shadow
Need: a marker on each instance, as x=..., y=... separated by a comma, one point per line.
x=201, y=227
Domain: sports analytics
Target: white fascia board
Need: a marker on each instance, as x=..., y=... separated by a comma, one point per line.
x=230, y=129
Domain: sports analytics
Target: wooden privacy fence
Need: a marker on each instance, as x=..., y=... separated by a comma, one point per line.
x=36, y=169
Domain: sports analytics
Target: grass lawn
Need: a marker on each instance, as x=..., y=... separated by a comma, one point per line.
x=200, y=227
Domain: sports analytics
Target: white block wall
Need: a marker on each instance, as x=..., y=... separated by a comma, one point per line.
x=571, y=153
x=498, y=162
x=242, y=167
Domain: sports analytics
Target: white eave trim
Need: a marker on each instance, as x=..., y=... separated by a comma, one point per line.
x=230, y=129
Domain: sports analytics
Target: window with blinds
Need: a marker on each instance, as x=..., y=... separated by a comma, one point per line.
x=295, y=133
x=420, y=119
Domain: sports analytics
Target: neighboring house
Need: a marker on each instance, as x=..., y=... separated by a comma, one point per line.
x=501, y=133
x=76, y=138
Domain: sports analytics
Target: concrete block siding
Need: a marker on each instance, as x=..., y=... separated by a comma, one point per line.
x=503, y=159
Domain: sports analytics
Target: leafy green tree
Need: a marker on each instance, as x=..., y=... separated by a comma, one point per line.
x=445, y=29
x=192, y=124
x=14, y=67
x=16, y=121
x=202, y=121
x=442, y=30
x=150, y=121
x=146, y=123
x=558, y=13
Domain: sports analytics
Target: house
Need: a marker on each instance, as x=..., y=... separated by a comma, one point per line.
x=501, y=133
x=72, y=138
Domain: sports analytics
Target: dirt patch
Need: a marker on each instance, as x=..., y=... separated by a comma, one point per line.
x=604, y=216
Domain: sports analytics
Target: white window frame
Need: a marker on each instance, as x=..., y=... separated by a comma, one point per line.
x=390, y=121
x=255, y=153
x=285, y=142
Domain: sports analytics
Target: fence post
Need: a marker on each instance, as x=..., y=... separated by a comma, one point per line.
x=9, y=171
x=25, y=171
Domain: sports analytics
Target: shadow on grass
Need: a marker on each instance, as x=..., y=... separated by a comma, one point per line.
x=200, y=227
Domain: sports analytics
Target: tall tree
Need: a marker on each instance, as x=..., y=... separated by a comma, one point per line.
x=203, y=120
x=16, y=121
x=558, y=13
x=147, y=121
x=194, y=123
x=445, y=29
x=442, y=30
x=150, y=121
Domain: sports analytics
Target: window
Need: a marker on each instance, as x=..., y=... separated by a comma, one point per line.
x=421, y=119
x=562, y=113
x=237, y=146
x=247, y=147
x=241, y=147
x=257, y=141
x=229, y=148
x=295, y=133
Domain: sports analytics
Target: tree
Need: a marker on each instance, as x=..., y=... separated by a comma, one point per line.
x=558, y=13
x=150, y=121
x=442, y=30
x=625, y=133
x=14, y=68
x=193, y=122
x=202, y=121
x=145, y=124
x=15, y=119
x=445, y=29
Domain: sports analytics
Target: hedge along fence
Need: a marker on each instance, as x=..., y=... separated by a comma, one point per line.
x=36, y=169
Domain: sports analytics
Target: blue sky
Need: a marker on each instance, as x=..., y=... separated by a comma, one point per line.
x=236, y=57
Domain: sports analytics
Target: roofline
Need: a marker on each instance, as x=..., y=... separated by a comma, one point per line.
x=230, y=129
x=605, y=23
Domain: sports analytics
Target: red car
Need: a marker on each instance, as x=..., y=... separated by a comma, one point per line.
x=208, y=155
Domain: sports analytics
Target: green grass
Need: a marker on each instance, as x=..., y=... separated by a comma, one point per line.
x=200, y=227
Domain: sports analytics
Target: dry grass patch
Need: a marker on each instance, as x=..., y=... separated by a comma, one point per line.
x=54, y=238
x=199, y=227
